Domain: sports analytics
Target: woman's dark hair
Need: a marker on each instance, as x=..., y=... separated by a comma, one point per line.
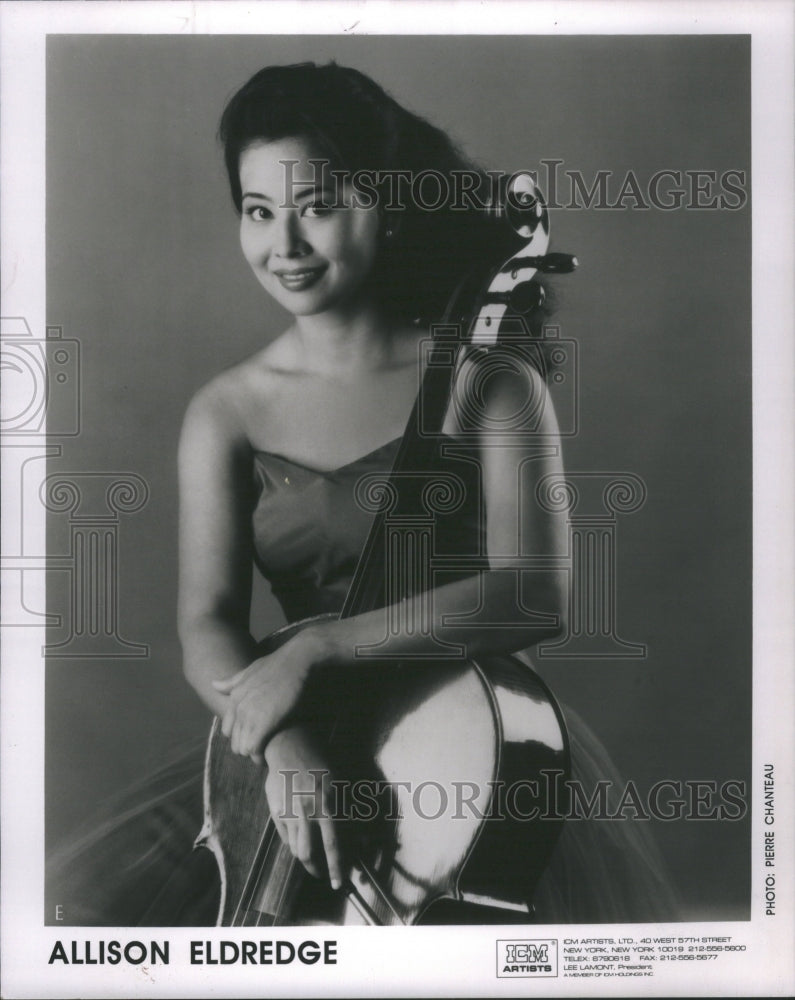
x=352, y=121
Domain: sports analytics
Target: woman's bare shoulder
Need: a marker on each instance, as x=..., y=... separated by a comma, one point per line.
x=236, y=396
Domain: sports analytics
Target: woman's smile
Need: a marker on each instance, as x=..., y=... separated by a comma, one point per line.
x=298, y=279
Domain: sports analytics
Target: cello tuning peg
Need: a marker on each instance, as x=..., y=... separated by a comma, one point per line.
x=557, y=263
x=522, y=298
x=526, y=296
x=550, y=263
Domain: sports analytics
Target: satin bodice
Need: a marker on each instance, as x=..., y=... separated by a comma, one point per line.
x=309, y=529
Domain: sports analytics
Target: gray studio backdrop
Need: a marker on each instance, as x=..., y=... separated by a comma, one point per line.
x=144, y=270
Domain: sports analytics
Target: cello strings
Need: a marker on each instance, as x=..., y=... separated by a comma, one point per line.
x=379, y=890
x=286, y=880
x=270, y=863
x=256, y=865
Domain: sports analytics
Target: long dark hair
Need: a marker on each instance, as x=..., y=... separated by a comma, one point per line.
x=352, y=121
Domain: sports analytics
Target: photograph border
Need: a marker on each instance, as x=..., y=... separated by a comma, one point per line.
x=436, y=961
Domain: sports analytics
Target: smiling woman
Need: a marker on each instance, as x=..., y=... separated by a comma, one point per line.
x=272, y=456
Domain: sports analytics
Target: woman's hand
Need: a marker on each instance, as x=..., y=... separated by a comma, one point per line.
x=262, y=697
x=299, y=792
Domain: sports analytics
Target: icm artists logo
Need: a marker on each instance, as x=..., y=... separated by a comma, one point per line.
x=527, y=958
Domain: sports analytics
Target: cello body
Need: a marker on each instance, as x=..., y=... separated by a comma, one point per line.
x=461, y=761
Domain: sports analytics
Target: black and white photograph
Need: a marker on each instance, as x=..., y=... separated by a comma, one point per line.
x=397, y=552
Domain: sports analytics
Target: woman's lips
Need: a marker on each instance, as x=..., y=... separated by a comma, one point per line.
x=300, y=278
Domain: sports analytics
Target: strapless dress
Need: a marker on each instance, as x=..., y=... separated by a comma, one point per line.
x=135, y=858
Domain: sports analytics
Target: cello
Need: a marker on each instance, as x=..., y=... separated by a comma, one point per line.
x=445, y=723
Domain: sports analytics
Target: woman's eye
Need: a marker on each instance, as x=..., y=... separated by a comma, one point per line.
x=317, y=210
x=258, y=213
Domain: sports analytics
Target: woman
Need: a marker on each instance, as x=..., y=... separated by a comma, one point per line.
x=320, y=406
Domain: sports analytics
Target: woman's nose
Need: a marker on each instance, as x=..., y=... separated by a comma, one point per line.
x=288, y=238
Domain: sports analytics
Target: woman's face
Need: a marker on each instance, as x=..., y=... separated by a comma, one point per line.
x=309, y=256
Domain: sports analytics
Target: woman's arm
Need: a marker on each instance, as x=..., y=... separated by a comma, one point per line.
x=214, y=607
x=214, y=543
x=518, y=601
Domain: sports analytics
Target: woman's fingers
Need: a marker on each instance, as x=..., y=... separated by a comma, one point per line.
x=292, y=836
x=332, y=848
x=275, y=804
x=241, y=739
x=299, y=838
x=254, y=733
x=261, y=698
x=297, y=835
x=249, y=727
x=308, y=826
x=303, y=846
x=228, y=720
x=281, y=828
